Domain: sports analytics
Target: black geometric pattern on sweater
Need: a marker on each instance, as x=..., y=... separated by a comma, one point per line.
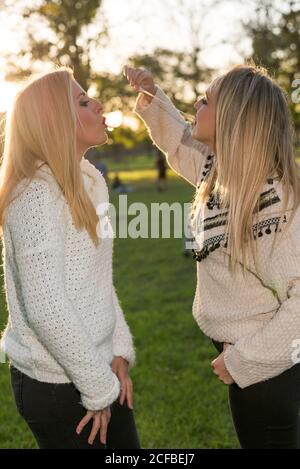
x=266, y=199
x=217, y=241
x=208, y=165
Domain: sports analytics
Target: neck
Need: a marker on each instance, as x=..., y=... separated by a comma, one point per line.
x=80, y=152
x=212, y=147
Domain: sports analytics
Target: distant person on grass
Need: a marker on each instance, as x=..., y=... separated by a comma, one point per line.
x=161, y=171
x=119, y=187
x=68, y=344
x=246, y=222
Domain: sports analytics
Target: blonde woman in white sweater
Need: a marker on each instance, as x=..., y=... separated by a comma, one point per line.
x=246, y=223
x=68, y=344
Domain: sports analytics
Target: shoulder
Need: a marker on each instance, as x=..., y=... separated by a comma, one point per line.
x=279, y=215
x=34, y=213
x=35, y=217
x=275, y=202
x=31, y=194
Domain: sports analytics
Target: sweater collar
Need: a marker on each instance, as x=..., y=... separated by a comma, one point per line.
x=94, y=183
x=93, y=180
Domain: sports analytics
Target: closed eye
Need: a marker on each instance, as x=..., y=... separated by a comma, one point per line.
x=84, y=103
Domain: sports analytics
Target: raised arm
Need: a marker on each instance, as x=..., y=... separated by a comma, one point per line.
x=169, y=131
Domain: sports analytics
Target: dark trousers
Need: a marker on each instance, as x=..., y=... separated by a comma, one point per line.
x=266, y=414
x=53, y=411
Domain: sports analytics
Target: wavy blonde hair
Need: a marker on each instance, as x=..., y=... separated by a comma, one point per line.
x=42, y=126
x=253, y=140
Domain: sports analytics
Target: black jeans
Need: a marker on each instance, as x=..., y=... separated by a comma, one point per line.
x=266, y=414
x=53, y=411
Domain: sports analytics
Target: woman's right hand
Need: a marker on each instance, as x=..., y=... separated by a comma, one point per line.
x=101, y=420
x=139, y=78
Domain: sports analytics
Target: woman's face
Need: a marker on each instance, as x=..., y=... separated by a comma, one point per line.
x=90, y=128
x=205, y=124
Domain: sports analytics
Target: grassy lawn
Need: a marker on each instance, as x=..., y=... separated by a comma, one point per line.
x=131, y=162
x=179, y=403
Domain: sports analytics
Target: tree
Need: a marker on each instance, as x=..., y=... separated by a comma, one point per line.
x=184, y=71
x=276, y=43
x=67, y=41
x=177, y=73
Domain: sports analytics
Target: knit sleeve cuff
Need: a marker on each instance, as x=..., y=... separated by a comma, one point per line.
x=242, y=371
x=101, y=402
x=128, y=353
x=164, y=122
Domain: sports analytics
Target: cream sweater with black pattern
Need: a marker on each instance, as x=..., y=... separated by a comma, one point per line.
x=259, y=314
x=65, y=322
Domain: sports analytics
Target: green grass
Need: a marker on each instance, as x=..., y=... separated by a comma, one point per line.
x=131, y=162
x=143, y=161
x=137, y=175
x=179, y=403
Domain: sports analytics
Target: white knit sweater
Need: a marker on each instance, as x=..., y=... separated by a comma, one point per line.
x=65, y=322
x=259, y=314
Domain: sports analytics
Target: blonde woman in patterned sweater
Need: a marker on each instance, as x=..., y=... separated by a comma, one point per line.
x=246, y=224
x=67, y=341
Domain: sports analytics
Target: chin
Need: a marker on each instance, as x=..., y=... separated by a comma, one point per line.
x=195, y=135
x=199, y=137
x=103, y=139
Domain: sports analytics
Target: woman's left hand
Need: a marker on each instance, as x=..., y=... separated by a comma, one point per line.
x=120, y=368
x=220, y=369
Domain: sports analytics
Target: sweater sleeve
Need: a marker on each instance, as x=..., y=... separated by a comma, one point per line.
x=172, y=135
x=122, y=338
x=271, y=350
x=35, y=221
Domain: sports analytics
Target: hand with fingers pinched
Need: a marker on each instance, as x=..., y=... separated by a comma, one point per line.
x=141, y=79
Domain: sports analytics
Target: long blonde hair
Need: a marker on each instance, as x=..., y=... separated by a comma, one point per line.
x=42, y=126
x=253, y=140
